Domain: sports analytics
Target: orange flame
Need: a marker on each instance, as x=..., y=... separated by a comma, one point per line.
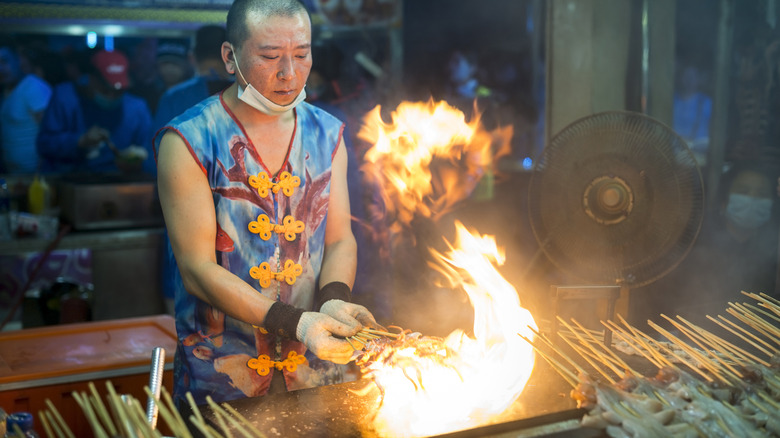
x=428, y=394
x=401, y=162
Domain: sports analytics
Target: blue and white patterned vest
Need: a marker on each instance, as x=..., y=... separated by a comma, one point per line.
x=270, y=233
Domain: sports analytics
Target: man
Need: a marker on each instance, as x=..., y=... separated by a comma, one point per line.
x=90, y=122
x=253, y=188
x=25, y=97
x=210, y=76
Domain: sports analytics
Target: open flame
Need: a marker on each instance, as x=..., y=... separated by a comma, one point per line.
x=430, y=388
x=423, y=162
x=428, y=158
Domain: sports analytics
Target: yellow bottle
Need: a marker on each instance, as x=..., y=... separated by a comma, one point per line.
x=38, y=196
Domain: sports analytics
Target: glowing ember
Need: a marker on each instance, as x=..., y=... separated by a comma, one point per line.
x=431, y=386
x=402, y=165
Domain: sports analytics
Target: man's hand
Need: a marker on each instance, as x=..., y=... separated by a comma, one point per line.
x=353, y=315
x=317, y=330
x=93, y=137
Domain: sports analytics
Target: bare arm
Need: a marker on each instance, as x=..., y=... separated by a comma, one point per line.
x=188, y=208
x=339, y=262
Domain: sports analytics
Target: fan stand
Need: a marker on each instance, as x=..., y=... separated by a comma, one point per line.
x=591, y=293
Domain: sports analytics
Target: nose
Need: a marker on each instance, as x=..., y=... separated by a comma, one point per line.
x=286, y=69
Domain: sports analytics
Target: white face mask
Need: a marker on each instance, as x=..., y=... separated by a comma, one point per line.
x=748, y=212
x=256, y=100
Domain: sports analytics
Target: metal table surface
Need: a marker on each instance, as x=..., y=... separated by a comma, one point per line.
x=337, y=411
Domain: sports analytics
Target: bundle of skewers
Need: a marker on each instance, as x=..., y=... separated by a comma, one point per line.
x=123, y=416
x=705, y=386
x=367, y=336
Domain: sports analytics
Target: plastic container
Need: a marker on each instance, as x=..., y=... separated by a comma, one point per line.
x=25, y=422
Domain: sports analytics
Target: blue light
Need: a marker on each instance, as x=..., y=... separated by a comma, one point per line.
x=109, y=43
x=528, y=163
x=91, y=40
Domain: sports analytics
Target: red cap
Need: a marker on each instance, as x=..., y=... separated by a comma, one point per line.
x=113, y=67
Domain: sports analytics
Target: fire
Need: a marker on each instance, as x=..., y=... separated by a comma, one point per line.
x=431, y=386
x=428, y=158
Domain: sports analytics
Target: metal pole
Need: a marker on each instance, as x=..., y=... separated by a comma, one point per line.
x=721, y=101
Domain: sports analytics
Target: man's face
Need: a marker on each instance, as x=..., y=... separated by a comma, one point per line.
x=276, y=58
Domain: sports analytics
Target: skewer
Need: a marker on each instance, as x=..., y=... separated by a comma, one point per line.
x=603, y=347
x=83, y=402
x=44, y=416
x=183, y=430
x=762, y=311
x=351, y=344
x=758, y=323
x=647, y=342
x=381, y=333
x=167, y=415
x=564, y=372
x=56, y=414
x=590, y=347
x=243, y=419
x=737, y=334
x=691, y=352
x=633, y=343
x=219, y=414
x=591, y=363
x=550, y=344
x=724, y=343
x=695, y=338
x=101, y=410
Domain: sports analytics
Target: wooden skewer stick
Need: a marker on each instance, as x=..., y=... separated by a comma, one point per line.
x=596, y=355
x=101, y=410
x=771, y=300
x=117, y=406
x=194, y=407
x=92, y=419
x=756, y=322
x=564, y=372
x=633, y=343
x=766, y=302
x=56, y=414
x=717, y=343
x=233, y=420
x=243, y=419
x=776, y=318
x=688, y=350
x=351, y=344
x=604, y=348
x=745, y=356
x=590, y=362
x=647, y=342
x=170, y=419
x=736, y=333
x=219, y=414
x=382, y=333
x=551, y=345
x=182, y=431
x=693, y=336
x=52, y=429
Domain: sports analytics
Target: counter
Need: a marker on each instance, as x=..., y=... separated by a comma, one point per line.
x=125, y=268
x=52, y=362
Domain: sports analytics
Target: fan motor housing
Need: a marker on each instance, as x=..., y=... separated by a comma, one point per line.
x=608, y=200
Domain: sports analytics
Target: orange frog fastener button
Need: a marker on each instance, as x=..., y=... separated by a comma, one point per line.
x=263, y=226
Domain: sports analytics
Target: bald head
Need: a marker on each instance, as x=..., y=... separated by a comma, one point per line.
x=242, y=11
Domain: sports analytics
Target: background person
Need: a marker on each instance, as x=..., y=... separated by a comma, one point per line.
x=86, y=125
x=243, y=289
x=24, y=99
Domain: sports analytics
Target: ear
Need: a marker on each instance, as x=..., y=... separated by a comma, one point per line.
x=228, y=57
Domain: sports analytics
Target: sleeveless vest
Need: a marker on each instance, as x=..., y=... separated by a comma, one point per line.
x=270, y=233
